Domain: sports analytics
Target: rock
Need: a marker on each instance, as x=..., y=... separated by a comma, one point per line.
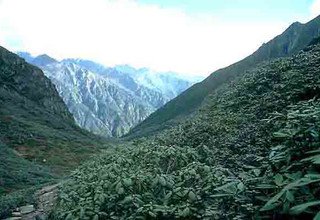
x=13, y=218
x=16, y=214
x=46, y=198
x=48, y=189
x=26, y=209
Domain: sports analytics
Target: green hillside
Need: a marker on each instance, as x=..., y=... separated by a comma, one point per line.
x=295, y=38
x=250, y=152
x=39, y=140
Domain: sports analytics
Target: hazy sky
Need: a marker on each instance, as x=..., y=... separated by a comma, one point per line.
x=187, y=36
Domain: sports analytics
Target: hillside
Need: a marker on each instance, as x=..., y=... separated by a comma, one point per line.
x=250, y=152
x=295, y=38
x=39, y=139
x=109, y=101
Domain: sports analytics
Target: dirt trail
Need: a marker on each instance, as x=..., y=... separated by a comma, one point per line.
x=45, y=200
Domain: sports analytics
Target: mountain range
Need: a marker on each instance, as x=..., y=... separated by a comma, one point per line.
x=292, y=40
x=109, y=101
x=249, y=150
x=242, y=144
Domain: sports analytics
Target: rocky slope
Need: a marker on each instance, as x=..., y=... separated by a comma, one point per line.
x=109, y=101
x=295, y=38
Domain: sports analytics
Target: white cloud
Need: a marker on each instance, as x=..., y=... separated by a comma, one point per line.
x=123, y=31
x=315, y=8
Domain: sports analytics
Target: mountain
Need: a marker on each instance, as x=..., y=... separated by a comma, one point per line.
x=43, y=60
x=252, y=151
x=292, y=40
x=39, y=139
x=169, y=83
x=98, y=103
x=109, y=101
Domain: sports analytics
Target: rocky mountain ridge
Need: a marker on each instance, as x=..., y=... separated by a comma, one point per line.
x=109, y=101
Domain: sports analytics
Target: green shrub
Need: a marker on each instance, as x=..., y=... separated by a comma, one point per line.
x=295, y=161
x=142, y=182
x=251, y=152
x=13, y=200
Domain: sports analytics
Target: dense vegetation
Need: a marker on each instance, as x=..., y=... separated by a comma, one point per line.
x=39, y=140
x=294, y=39
x=251, y=151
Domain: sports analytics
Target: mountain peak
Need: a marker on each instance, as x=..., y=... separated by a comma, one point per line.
x=294, y=39
x=43, y=60
x=87, y=64
x=26, y=56
x=125, y=68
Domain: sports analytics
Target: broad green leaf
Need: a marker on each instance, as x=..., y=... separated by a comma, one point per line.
x=118, y=186
x=152, y=214
x=313, y=151
x=313, y=176
x=317, y=217
x=257, y=172
x=206, y=168
x=162, y=181
x=302, y=207
x=220, y=195
x=314, y=159
x=186, y=212
x=69, y=216
x=127, y=182
x=278, y=179
x=273, y=202
x=82, y=213
x=269, y=206
x=240, y=186
x=281, y=135
x=289, y=196
x=127, y=199
x=229, y=188
x=167, y=197
x=192, y=196
x=302, y=182
x=265, y=186
x=120, y=191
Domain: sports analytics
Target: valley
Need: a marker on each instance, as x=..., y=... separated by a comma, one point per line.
x=109, y=101
x=80, y=140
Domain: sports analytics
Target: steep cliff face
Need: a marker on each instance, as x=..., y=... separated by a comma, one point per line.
x=19, y=81
x=109, y=101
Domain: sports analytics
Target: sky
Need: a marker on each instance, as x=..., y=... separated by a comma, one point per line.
x=192, y=37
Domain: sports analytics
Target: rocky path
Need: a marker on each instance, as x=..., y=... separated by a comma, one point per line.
x=45, y=199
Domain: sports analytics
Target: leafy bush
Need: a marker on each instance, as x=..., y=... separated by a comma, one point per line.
x=251, y=152
x=13, y=200
x=167, y=182
x=295, y=161
x=142, y=182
